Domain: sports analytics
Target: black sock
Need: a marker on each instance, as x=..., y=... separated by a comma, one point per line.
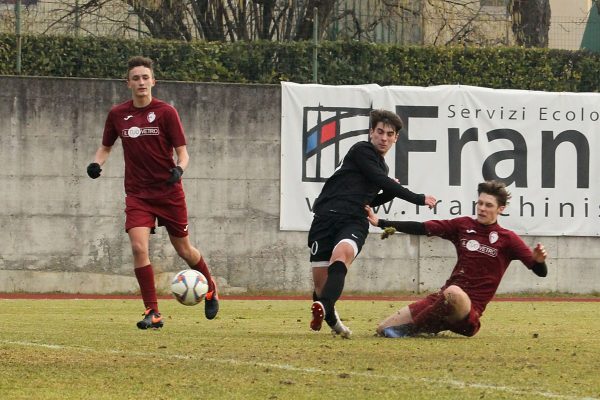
x=336, y=276
x=315, y=297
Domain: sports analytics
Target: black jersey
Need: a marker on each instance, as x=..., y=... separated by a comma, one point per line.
x=357, y=182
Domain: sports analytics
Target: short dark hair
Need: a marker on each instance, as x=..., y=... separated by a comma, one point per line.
x=140, y=61
x=387, y=117
x=496, y=189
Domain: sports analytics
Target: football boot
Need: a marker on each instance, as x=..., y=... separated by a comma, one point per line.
x=152, y=320
x=211, y=302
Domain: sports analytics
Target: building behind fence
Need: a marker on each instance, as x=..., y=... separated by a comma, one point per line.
x=410, y=22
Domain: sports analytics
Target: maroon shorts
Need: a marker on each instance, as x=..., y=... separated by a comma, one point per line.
x=468, y=326
x=170, y=212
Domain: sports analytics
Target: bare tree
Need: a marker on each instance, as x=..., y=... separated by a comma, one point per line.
x=451, y=22
x=307, y=18
x=438, y=22
x=396, y=21
x=279, y=20
x=227, y=20
x=473, y=22
x=164, y=19
x=530, y=21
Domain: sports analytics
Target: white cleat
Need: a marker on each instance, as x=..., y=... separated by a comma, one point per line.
x=340, y=329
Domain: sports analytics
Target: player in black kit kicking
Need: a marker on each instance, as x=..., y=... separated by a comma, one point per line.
x=340, y=226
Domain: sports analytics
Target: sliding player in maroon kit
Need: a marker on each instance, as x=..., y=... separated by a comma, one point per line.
x=150, y=130
x=484, y=251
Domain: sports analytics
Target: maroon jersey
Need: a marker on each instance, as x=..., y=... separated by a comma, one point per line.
x=484, y=253
x=149, y=135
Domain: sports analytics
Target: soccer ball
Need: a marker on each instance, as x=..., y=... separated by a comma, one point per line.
x=189, y=287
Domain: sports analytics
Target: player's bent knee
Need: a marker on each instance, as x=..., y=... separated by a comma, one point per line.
x=454, y=289
x=459, y=301
x=455, y=295
x=345, y=250
x=139, y=249
x=186, y=254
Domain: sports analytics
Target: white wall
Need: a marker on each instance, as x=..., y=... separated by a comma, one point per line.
x=63, y=232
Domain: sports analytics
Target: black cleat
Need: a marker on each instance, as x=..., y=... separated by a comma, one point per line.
x=211, y=303
x=152, y=320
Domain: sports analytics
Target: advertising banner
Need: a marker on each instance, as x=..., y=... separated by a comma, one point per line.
x=543, y=145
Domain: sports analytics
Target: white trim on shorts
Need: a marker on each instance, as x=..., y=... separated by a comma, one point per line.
x=351, y=243
x=325, y=264
x=319, y=264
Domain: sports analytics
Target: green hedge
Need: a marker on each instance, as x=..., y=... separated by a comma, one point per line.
x=338, y=62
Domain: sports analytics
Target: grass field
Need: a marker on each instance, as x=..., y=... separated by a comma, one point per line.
x=260, y=349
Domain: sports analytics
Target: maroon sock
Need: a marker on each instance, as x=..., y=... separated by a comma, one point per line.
x=203, y=268
x=433, y=318
x=145, y=278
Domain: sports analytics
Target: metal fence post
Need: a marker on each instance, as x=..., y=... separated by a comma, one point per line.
x=316, y=43
x=77, y=18
x=18, y=34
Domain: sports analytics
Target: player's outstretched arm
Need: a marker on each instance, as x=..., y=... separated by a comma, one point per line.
x=371, y=216
x=374, y=220
x=94, y=169
x=410, y=227
x=368, y=162
x=539, y=256
x=430, y=201
x=386, y=196
x=539, y=253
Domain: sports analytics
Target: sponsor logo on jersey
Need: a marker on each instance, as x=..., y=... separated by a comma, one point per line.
x=474, y=245
x=151, y=116
x=135, y=132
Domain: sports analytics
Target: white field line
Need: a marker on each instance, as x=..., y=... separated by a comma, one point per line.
x=318, y=371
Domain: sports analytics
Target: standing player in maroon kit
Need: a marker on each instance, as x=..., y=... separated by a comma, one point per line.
x=484, y=250
x=150, y=130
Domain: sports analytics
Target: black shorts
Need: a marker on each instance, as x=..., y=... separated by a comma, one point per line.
x=327, y=231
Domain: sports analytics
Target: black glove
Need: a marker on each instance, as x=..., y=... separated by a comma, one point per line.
x=93, y=170
x=175, y=175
